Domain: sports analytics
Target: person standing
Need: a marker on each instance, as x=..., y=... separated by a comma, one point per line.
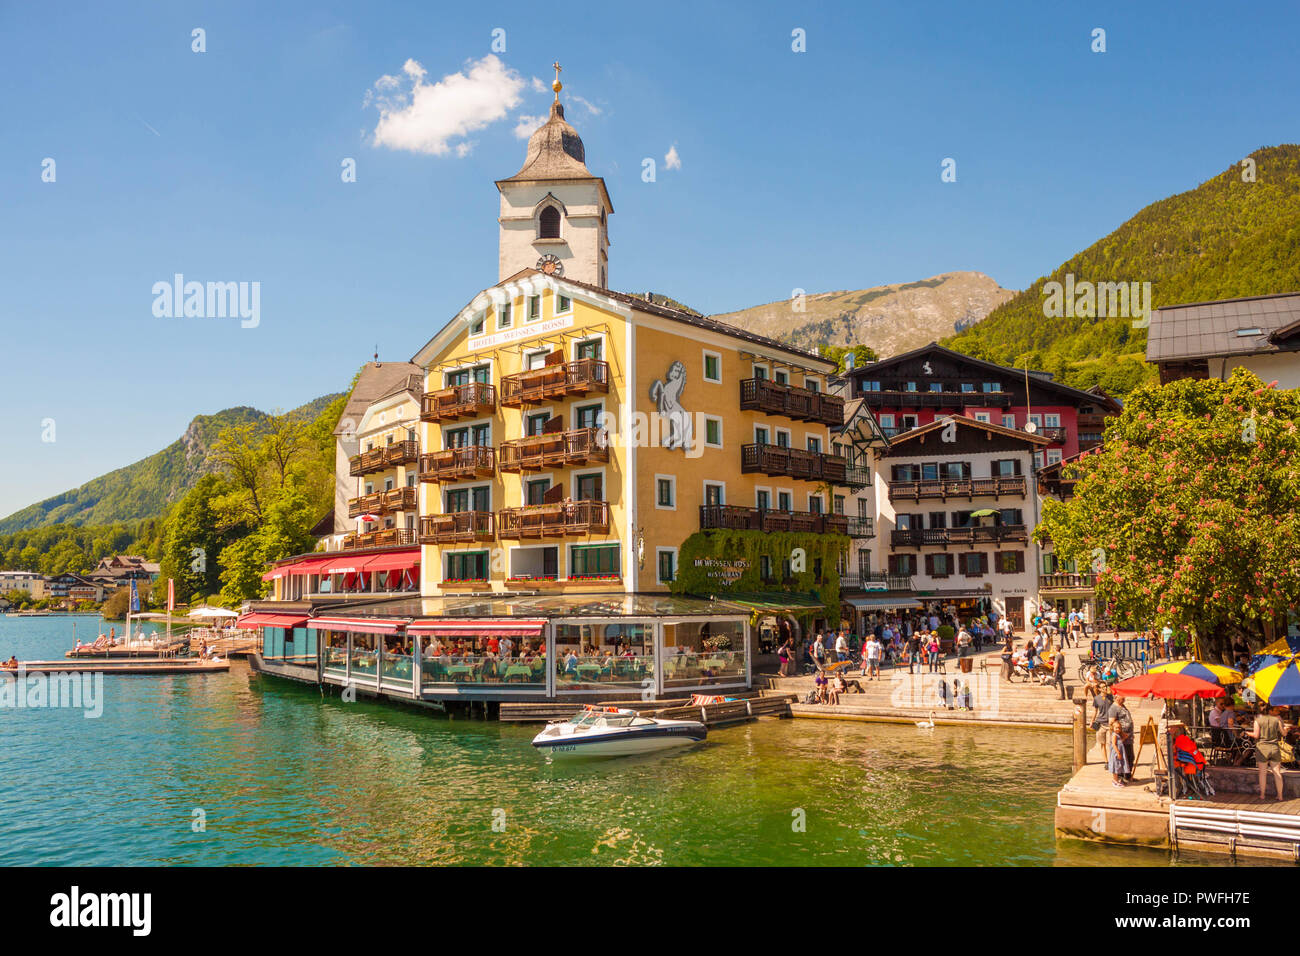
x=1118, y=712
x=913, y=651
x=1101, y=705
x=1167, y=640
x=841, y=647
x=1058, y=671
x=1119, y=760
x=964, y=643
x=819, y=651
x=935, y=657
x=875, y=651
x=1268, y=752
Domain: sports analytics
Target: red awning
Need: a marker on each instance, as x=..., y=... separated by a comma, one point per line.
x=258, y=619
x=364, y=625
x=307, y=566
x=476, y=627
x=393, y=561
x=346, y=564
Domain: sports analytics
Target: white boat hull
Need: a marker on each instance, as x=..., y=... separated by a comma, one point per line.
x=620, y=741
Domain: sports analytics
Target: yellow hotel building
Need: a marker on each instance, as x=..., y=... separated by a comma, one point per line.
x=612, y=491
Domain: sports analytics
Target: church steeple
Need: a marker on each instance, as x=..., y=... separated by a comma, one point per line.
x=554, y=212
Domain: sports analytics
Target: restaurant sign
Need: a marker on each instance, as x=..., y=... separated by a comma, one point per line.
x=720, y=569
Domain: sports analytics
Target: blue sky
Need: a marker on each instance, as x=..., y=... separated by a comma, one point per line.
x=818, y=170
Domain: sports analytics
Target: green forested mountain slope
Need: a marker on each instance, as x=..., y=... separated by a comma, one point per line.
x=147, y=488
x=1225, y=239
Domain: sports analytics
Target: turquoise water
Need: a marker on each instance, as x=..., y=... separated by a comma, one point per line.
x=286, y=776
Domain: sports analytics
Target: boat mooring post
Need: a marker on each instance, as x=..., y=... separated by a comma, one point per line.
x=1080, y=731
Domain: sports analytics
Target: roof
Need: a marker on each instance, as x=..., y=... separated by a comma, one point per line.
x=636, y=302
x=1051, y=385
x=555, y=151
x=860, y=424
x=377, y=380
x=1248, y=326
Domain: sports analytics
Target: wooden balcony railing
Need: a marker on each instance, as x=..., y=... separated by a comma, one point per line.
x=555, y=450
x=967, y=488
x=918, y=537
x=457, y=526
x=765, y=519
x=456, y=464
x=383, y=502
x=1054, y=432
x=554, y=520
x=781, y=460
x=383, y=538
x=459, y=401
x=386, y=456
x=552, y=382
x=901, y=398
x=1067, y=580
x=801, y=404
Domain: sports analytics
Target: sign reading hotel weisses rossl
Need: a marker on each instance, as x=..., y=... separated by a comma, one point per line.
x=531, y=330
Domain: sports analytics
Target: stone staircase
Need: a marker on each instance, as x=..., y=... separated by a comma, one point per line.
x=899, y=696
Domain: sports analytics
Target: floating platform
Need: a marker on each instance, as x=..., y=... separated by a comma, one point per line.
x=1234, y=821
x=137, y=665
x=133, y=649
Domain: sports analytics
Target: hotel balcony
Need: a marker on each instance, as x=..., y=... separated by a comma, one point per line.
x=1067, y=581
x=383, y=538
x=861, y=527
x=737, y=517
x=782, y=461
x=458, y=464
x=875, y=581
x=383, y=502
x=554, y=450
x=457, y=527
x=801, y=404
x=995, y=534
x=968, y=488
x=386, y=456
x=554, y=520
x=471, y=400
x=901, y=398
x=554, y=382
x=857, y=476
x=1053, y=432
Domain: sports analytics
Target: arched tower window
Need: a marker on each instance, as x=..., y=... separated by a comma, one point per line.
x=548, y=226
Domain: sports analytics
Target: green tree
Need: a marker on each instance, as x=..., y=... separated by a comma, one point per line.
x=285, y=531
x=194, y=541
x=862, y=355
x=1188, y=511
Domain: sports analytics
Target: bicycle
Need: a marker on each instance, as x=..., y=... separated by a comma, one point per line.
x=1120, y=667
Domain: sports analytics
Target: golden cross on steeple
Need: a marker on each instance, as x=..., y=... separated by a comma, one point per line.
x=557, y=86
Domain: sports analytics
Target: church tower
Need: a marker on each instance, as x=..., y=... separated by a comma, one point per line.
x=554, y=212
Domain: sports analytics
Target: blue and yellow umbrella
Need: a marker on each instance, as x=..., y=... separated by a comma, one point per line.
x=1279, y=684
x=1215, y=673
x=1259, y=661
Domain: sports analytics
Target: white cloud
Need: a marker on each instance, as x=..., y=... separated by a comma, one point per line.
x=671, y=159
x=591, y=107
x=539, y=86
x=425, y=117
x=526, y=125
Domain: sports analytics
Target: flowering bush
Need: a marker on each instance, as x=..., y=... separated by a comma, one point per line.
x=1188, y=512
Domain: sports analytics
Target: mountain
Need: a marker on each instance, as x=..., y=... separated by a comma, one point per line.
x=147, y=488
x=890, y=318
x=1226, y=238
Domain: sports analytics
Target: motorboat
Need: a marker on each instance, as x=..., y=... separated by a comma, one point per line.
x=615, y=732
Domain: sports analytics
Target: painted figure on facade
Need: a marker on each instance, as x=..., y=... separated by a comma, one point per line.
x=667, y=395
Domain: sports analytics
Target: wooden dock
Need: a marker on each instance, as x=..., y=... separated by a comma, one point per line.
x=749, y=707
x=130, y=666
x=1090, y=807
x=130, y=649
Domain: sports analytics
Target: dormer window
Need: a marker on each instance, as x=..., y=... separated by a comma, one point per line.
x=548, y=224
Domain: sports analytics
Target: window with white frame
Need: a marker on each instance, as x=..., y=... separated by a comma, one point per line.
x=563, y=304
x=666, y=492
x=1008, y=421
x=505, y=316
x=1053, y=455
x=712, y=367
x=712, y=431
x=666, y=565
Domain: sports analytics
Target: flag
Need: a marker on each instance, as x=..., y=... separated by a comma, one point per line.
x=171, y=595
x=135, y=598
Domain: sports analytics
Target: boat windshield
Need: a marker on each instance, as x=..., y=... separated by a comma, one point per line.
x=589, y=718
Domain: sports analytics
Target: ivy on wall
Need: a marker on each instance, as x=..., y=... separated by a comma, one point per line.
x=749, y=547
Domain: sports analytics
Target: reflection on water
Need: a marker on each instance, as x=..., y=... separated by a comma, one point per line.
x=284, y=775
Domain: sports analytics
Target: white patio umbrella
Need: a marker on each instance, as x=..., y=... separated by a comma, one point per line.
x=212, y=612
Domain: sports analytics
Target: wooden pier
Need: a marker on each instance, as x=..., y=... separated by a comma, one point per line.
x=744, y=708
x=130, y=649
x=135, y=665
